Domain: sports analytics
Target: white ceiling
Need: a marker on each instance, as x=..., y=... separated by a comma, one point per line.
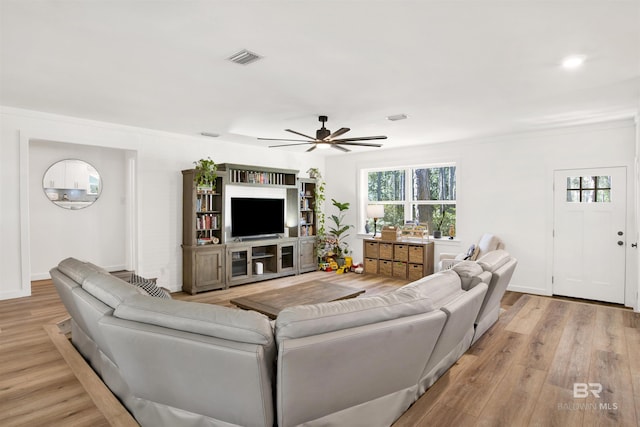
x=459, y=69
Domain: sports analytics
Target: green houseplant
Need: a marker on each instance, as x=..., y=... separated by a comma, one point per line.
x=206, y=175
x=336, y=246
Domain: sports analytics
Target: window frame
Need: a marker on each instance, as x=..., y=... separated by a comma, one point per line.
x=408, y=201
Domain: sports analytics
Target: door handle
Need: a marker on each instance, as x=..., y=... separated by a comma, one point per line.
x=620, y=243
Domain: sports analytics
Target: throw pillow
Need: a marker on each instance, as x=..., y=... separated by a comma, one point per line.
x=148, y=286
x=470, y=252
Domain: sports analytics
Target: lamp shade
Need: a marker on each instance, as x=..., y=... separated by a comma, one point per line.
x=375, y=211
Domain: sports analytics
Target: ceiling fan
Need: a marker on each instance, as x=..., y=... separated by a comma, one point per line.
x=324, y=137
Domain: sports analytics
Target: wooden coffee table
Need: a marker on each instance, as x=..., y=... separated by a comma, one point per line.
x=315, y=291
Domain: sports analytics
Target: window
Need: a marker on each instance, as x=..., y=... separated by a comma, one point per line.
x=422, y=195
x=589, y=189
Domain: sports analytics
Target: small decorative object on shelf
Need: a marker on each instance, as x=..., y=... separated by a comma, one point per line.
x=390, y=232
x=205, y=175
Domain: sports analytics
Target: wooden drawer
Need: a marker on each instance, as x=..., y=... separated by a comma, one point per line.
x=401, y=253
x=385, y=268
x=400, y=270
x=371, y=265
x=416, y=254
x=371, y=249
x=386, y=251
x=415, y=272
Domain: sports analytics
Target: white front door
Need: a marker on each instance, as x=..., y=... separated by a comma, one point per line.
x=589, y=233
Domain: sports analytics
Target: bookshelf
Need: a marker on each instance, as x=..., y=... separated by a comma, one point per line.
x=202, y=235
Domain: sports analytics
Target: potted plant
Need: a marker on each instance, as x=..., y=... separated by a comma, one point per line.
x=205, y=176
x=437, y=222
x=337, y=247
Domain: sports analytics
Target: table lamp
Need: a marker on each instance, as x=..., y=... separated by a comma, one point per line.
x=376, y=212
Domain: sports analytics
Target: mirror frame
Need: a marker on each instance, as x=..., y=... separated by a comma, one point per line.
x=81, y=194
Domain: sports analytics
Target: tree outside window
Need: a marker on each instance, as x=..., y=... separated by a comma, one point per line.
x=423, y=195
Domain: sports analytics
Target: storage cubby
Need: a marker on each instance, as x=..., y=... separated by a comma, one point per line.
x=399, y=259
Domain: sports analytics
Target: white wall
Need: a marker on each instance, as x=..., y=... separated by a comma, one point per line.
x=56, y=232
x=160, y=157
x=505, y=188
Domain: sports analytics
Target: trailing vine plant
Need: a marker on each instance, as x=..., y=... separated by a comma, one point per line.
x=319, y=212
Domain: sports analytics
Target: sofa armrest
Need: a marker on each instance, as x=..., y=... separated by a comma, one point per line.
x=444, y=256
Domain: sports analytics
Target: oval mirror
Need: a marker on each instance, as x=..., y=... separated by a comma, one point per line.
x=72, y=184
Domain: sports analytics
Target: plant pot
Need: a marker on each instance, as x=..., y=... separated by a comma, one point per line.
x=437, y=234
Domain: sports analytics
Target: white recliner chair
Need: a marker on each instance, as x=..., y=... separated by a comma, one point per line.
x=488, y=242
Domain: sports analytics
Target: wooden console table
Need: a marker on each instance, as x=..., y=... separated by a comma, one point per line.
x=398, y=258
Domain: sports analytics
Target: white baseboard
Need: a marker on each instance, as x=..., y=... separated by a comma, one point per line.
x=528, y=290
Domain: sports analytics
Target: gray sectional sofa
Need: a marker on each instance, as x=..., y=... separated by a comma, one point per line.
x=362, y=361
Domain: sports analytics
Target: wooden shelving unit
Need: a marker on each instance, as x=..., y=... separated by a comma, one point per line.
x=402, y=259
x=202, y=235
x=210, y=262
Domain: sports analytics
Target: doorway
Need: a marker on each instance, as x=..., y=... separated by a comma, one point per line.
x=589, y=234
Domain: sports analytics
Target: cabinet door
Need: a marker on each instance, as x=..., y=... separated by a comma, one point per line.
x=239, y=264
x=208, y=268
x=287, y=257
x=307, y=255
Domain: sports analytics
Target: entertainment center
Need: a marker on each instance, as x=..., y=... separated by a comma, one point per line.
x=257, y=223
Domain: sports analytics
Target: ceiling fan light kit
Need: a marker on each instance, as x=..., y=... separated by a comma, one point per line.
x=324, y=139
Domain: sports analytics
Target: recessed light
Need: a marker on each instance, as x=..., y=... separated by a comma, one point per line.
x=572, y=62
x=397, y=117
x=210, y=134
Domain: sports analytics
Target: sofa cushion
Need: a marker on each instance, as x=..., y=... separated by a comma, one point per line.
x=206, y=319
x=313, y=319
x=108, y=289
x=494, y=260
x=441, y=287
x=77, y=270
x=488, y=243
x=469, y=273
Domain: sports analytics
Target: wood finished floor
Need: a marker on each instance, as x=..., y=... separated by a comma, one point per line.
x=521, y=373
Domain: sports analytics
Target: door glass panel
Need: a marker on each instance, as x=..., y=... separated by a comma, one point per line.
x=588, y=196
x=573, y=195
x=604, y=196
x=573, y=182
x=589, y=189
x=604, y=182
x=588, y=182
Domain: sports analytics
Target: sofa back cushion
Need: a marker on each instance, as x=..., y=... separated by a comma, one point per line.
x=494, y=260
x=108, y=289
x=470, y=274
x=488, y=243
x=441, y=287
x=78, y=270
x=314, y=319
x=205, y=319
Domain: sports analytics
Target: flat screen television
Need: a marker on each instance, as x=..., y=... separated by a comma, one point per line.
x=252, y=216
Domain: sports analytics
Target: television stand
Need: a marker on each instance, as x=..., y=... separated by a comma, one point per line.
x=253, y=261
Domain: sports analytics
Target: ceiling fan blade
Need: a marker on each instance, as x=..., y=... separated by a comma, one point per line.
x=281, y=139
x=337, y=133
x=312, y=148
x=363, y=144
x=301, y=134
x=337, y=147
x=288, y=145
x=361, y=138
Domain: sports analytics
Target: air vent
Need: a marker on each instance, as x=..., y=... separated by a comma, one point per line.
x=397, y=117
x=210, y=134
x=244, y=57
